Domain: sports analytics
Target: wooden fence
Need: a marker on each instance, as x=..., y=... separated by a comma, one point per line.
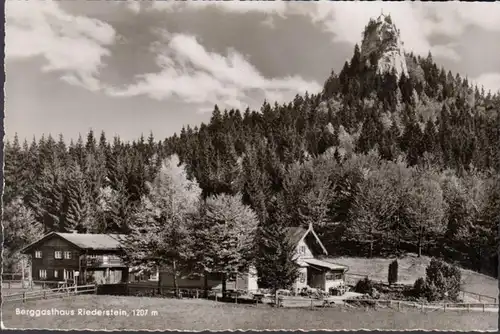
x=478, y=296
x=49, y=293
x=394, y=304
x=33, y=284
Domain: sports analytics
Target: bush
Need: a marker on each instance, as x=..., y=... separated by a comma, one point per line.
x=419, y=288
x=445, y=279
x=442, y=282
x=364, y=286
x=393, y=272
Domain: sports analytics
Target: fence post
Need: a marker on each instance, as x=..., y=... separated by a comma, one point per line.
x=24, y=297
x=422, y=307
x=483, y=307
x=399, y=306
x=311, y=304
x=444, y=307
x=44, y=294
x=95, y=289
x=468, y=307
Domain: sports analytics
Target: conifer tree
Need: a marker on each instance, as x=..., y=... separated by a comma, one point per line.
x=276, y=255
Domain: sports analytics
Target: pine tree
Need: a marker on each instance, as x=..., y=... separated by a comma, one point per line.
x=80, y=215
x=276, y=256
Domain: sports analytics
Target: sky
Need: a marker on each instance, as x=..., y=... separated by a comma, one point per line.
x=130, y=67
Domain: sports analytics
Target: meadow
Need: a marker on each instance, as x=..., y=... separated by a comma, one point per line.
x=199, y=314
x=411, y=268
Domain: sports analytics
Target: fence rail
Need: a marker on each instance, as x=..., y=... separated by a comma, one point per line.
x=395, y=304
x=49, y=293
x=32, y=284
x=478, y=296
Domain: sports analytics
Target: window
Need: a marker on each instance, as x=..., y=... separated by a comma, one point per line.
x=67, y=255
x=68, y=274
x=38, y=254
x=302, y=250
x=58, y=254
x=56, y=273
x=302, y=277
x=105, y=259
x=42, y=274
x=333, y=276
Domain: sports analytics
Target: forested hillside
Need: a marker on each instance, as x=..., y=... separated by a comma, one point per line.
x=380, y=163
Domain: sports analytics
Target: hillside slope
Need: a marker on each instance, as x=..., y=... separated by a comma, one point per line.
x=411, y=268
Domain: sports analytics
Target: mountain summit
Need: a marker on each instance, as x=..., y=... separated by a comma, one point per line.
x=382, y=46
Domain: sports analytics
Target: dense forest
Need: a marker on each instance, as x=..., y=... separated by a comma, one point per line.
x=379, y=164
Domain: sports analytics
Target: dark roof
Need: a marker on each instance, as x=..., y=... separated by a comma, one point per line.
x=295, y=234
x=85, y=240
x=94, y=241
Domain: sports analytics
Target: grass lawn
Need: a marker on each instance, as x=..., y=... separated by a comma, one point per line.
x=411, y=267
x=199, y=314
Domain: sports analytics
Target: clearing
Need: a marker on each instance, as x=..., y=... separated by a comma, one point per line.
x=411, y=268
x=199, y=314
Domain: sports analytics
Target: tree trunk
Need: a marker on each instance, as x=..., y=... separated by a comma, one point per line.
x=223, y=284
x=159, y=280
x=371, y=242
x=205, y=284
x=174, y=270
x=419, y=245
x=420, y=239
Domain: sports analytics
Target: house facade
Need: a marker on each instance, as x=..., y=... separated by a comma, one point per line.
x=84, y=258
x=315, y=271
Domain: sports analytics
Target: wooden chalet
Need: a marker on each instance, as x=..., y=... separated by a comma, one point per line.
x=77, y=257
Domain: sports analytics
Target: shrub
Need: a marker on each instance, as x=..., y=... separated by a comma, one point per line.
x=364, y=286
x=445, y=279
x=393, y=272
x=419, y=288
x=442, y=282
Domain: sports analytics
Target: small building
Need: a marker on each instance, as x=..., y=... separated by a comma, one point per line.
x=314, y=270
x=85, y=258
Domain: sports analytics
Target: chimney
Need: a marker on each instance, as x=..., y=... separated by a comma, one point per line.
x=72, y=231
x=310, y=226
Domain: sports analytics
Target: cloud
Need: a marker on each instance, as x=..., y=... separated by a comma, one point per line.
x=134, y=6
x=195, y=75
x=490, y=81
x=72, y=45
x=242, y=7
x=345, y=20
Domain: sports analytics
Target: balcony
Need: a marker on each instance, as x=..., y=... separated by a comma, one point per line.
x=101, y=261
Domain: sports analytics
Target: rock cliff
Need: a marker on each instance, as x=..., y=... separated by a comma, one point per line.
x=382, y=46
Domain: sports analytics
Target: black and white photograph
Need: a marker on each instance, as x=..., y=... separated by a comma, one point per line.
x=251, y=165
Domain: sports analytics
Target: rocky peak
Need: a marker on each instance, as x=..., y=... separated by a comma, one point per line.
x=382, y=45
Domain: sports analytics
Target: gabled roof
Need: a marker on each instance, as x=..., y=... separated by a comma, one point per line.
x=297, y=234
x=84, y=241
